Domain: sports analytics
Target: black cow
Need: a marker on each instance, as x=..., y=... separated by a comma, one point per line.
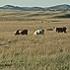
x=24, y=32
x=61, y=29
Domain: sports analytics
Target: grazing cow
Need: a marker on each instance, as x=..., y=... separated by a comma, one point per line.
x=24, y=32
x=21, y=32
x=61, y=29
x=39, y=32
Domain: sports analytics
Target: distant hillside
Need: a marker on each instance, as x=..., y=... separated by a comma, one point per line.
x=63, y=7
x=10, y=7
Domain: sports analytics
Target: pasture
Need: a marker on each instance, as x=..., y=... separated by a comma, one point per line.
x=50, y=51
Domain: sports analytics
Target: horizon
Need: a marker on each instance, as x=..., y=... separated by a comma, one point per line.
x=32, y=6
x=32, y=3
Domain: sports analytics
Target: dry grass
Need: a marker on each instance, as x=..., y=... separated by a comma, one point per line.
x=47, y=52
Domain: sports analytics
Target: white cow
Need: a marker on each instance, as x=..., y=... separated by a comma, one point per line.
x=39, y=32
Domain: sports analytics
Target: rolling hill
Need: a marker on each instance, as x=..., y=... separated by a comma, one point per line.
x=63, y=7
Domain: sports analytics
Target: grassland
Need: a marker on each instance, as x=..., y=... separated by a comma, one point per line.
x=50, y=51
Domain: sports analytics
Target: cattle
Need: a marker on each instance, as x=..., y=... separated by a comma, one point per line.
x=39, y=32
x=24, y=32
x=21, y=32
x=61, y=29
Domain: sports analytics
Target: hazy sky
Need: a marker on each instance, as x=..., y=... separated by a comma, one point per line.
x=42, y=3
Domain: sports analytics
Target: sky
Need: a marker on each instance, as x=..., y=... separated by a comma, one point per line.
x=33, y=3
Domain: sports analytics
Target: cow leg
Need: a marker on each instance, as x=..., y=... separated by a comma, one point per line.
x=65, y=31
x=58, y=31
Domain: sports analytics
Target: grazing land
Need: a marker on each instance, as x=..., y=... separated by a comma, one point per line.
x=50, y=51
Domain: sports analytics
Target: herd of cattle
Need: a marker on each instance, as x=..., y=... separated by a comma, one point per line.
x=41, y=31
